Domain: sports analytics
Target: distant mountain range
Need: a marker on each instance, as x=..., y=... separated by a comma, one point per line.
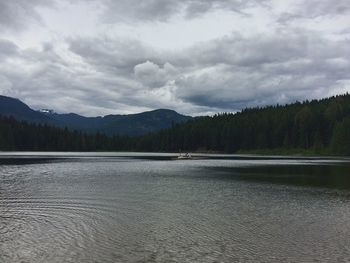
x=132, y=124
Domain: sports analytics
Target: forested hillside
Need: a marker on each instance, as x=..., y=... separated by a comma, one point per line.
x=314, y=126
x=23, y=136
x=318, y=126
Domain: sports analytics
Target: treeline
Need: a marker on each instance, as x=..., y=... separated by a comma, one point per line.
x=315, y=126
x=318, y=126
x=23, y=136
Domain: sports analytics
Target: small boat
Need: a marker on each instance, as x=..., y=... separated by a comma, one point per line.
x=185, y=156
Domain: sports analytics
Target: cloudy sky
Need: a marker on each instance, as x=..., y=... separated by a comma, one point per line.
x=97, y=57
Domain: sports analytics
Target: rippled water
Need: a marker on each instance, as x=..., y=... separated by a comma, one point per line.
x=150, y=208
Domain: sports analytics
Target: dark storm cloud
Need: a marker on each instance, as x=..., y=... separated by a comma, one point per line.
x=163, y=10
x=19, y=14
x=7, y=49
x=311, y=9
x=264, y=70
x=114, y=55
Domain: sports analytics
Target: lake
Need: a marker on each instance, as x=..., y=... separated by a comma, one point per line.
x=138, y=207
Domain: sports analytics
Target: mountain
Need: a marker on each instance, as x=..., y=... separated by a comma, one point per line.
x=78, y=122
x=132, y=124
x=142, y=123
x=20, y=111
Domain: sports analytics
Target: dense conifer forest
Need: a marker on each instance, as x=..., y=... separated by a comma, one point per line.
x=23, y=136
x=316, y=127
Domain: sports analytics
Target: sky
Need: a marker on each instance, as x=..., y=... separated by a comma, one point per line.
x=198, y=57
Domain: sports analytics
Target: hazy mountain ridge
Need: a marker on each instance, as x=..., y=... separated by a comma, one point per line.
x=132, y=124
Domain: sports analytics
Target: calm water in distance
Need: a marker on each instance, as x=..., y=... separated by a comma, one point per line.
x=125, y=207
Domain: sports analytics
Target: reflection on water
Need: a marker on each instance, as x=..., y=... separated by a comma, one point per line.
x=151, y=208
x=329, y=176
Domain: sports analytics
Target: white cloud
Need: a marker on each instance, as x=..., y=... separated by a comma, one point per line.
x=153, y=75
x=19, y=14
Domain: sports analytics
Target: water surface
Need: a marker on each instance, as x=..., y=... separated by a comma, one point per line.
x=107, y=207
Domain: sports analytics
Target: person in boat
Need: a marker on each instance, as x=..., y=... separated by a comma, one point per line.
x=184, y=156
